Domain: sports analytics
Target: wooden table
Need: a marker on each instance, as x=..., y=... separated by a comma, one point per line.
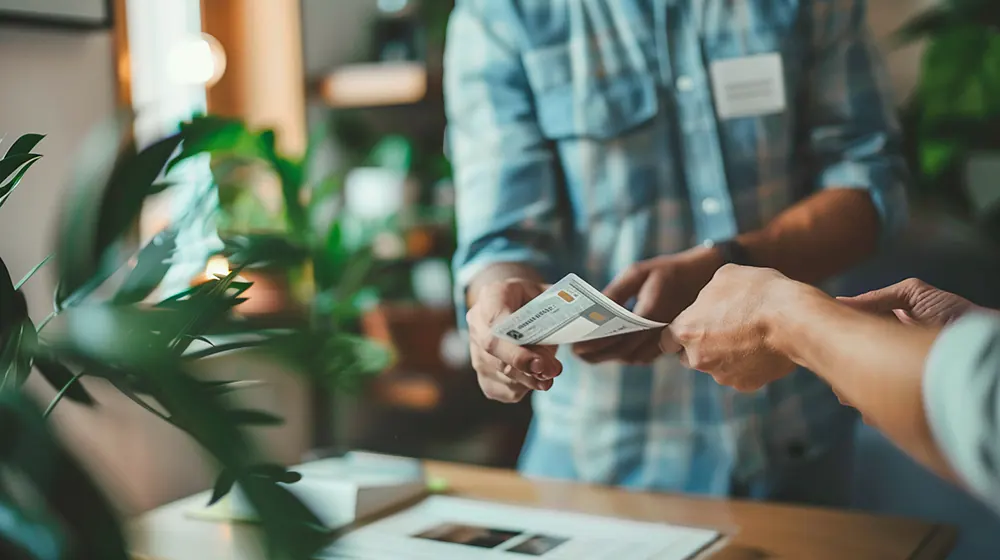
x=753, y=531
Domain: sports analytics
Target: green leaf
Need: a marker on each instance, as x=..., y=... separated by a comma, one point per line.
x=17, y=165
x=32, y=272
x=276, y=473
x=937, y=157
x=9, y=355
x=80, y=517
x=103, y=206
x=160, y=186
x=13, y=307
x=228, y=347
x=59, y=377
x=224, y=387
x=128, y=343
x=10, y=164
x=223, y=485
x=130, y=184
x=8, y=188
x=152, y=265
x=263, y=251
x=201, y=310
x=958, y=78
x=931, y=22
x=217, y=136
x=255, y=418
x=80, y=260
x=24, y=144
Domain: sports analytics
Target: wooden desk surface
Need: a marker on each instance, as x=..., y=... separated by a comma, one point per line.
x=753, y=531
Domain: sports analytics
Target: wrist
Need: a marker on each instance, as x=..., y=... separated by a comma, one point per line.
x=791, y=312
x=498, y=274
x=703, y=263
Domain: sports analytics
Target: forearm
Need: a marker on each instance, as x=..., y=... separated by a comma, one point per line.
x=873, y=363
x=500, y=272
x=819, y=237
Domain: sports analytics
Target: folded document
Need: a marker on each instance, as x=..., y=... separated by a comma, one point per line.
x=568, y=312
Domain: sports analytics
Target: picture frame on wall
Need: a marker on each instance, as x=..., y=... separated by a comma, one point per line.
x=73, y=14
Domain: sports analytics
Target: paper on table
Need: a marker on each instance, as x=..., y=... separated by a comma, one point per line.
x=570, y=311
x=446, y=528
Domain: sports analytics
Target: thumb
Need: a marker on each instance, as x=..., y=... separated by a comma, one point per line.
x=881, y=301
x=668, y=344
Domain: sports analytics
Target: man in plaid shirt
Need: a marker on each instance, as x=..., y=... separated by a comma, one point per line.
x=643, y=144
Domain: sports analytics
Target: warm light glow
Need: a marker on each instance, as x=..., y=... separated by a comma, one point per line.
x=198, y=61
x=217, y=266
x=370, y=85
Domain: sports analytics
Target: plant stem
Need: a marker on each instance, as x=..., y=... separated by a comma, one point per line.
x=46, y=320
x=32, y=272
x=59, y=395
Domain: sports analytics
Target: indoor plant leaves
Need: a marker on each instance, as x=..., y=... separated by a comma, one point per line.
x=152, y=265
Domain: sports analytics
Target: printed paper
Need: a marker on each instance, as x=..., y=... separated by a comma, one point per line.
x=446, y=528
x=568, y=312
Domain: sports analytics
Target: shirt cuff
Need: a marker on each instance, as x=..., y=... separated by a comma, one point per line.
x=958, y=392
x=885, y=185
x=467, y=268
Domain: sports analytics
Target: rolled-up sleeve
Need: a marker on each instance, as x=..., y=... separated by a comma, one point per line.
x=962, y=401
x=504, y=169
x=854, y=132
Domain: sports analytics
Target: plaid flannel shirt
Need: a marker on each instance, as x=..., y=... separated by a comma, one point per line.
x=584, y=138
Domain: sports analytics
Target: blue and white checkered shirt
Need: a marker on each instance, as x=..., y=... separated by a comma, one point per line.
x=584, y=138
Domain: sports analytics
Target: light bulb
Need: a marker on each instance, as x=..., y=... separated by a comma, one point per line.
x=197, y=61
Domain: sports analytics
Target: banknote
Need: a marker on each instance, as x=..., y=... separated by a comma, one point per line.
x=570, y=311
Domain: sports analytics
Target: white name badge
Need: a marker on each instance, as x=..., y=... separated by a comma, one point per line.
x=751, y=86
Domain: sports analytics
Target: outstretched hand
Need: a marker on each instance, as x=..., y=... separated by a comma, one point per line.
x=662, y=288
x=914, y=302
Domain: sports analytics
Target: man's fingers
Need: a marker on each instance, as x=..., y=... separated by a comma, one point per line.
x=584, y=349
x=885, y=300
x=627, y=284
x=522, y=358
x=500, y=391
x=650, y=297
x=624, y=349
x=493, y=368
x=647, y=353
x=523, y=378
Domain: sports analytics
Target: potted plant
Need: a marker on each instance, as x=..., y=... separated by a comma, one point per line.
x=143, y=346
x=953, y=120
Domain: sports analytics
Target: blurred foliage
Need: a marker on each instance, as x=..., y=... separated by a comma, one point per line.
x=955, y=112
x=346, y=274
x=147, y=350
x=306, y=232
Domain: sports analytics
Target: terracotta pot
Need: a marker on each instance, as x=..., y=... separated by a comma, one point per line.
x=414, y=331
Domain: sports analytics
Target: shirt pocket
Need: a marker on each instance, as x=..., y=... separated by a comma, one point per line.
x=605, y=128
x=579, y=100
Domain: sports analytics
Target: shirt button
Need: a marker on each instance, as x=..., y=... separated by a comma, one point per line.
x=708, y=244
x=685, y=83
x=711, y=206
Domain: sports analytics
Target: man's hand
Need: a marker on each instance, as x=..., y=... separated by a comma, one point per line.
x=507, y=372
x=725, y=332
x=914, y=302
x=662, y=288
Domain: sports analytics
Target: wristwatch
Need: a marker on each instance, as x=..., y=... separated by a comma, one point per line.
x=732, y=252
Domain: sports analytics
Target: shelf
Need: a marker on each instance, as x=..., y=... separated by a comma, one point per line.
x=360, y=86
